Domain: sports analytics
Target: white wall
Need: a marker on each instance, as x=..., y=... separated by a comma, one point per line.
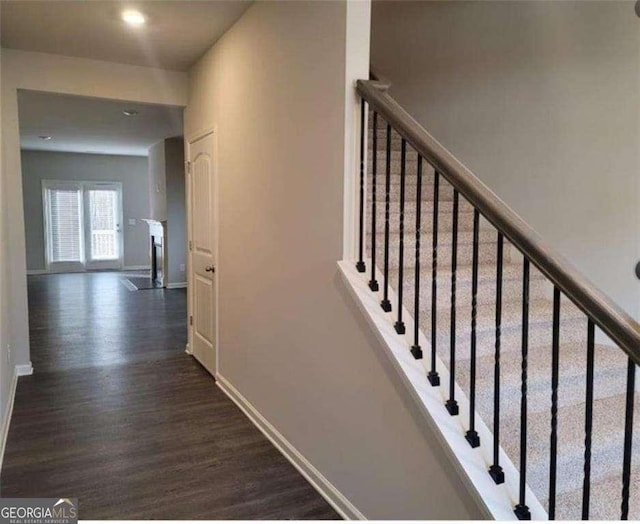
x=65, y=75
x=6, y=364
x=131, y=171
x=291, y=339
x=540, y=100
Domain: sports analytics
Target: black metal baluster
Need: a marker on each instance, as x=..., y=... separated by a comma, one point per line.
x=628, y=439
x=416, y=350
x=588, y=422
x=472, y=435
x=521, y=509
x=399, y=325
x=555, y=376
x=360, y=264
x=434, y=378
x=496, y=472
x=373, y=283
x=385, y=304
x=452, y=403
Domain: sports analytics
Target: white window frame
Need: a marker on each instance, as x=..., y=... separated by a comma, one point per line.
x=85, y=263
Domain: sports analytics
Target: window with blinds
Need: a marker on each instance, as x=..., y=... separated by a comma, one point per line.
x=64, y=209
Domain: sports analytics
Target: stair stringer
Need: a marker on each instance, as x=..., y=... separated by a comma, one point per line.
x=472, y=464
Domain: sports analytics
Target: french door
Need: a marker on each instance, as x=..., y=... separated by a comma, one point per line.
x=82, y=225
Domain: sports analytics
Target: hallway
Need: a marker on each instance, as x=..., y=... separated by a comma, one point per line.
x=117, y=415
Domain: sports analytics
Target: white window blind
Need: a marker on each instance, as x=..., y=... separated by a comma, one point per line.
x=65, y=224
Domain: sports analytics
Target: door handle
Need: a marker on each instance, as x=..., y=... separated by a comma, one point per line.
x=210, y=269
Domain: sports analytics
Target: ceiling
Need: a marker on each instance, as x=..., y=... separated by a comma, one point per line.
x=92, y=125
x=176, y=34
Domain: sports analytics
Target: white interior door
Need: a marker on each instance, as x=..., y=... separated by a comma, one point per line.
x=202, y=267
x=103, y=225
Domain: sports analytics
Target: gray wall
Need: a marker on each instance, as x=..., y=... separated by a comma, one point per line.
x=291, y=339
x=176, y=210
x=540, y=100
x=167, y=202
x=130, y=171
x=157, y=182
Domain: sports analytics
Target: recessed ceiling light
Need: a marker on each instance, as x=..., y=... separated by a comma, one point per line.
x=130, y=112
x=133, y=18
x=45, y=137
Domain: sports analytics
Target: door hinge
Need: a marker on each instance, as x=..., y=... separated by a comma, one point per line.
x=190, y=245
x=191, y=320
x=188, y=165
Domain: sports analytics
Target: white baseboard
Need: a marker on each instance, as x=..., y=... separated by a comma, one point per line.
x=176, y=285
x=23, y=370
x=136, y=268
x=328, y=491
x=18, y=371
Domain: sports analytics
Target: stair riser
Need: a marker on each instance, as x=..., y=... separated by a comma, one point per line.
x=410, y=206
x=540, y=332
x=606, y=461
x=395, y=165
x=465, y=251
x=445, y=221
x=511, y=292
x=445, y=194
x=485, y=236
x=571, y=389
x=396, y=144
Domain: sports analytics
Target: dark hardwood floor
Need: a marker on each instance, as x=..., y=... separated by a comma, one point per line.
x=117, y=415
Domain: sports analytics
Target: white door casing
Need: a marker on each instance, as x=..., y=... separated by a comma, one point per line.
x=202, y=253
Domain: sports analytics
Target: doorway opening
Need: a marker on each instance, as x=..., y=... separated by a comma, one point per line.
x=100, y=179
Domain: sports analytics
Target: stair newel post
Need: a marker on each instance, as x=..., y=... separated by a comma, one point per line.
x=386, y=304
x=452, y=403
x=472, y=435
x=373, y=283
x=360, y=264
x=495, y=470
x=399, y=325
x=521, y=509
x=555, y=376
x=432, y=376
x=416, y=350
x=628, y=439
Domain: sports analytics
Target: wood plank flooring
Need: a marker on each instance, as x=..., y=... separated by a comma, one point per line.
x=120, y=417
